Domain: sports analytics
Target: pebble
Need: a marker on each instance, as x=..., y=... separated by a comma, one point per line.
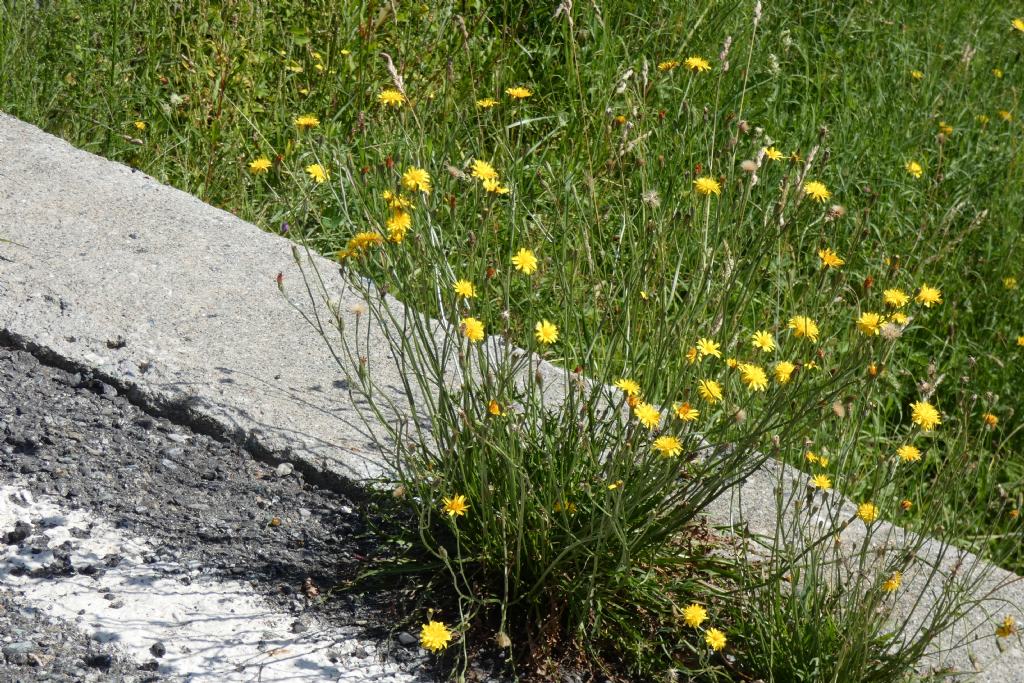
x=284, y=469
x=158, y=649
x=407, y=639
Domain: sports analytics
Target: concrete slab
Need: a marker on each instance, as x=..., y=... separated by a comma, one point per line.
x=175, y=302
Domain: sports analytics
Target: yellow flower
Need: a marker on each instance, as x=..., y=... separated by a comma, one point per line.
x=697, y=64
x=260, y=165
x=465, y=289
x=416, y=179
x=361, y=242
x=784, y=371
x=715, y=639
x=518, y=92
x=525, y=261
x=691, y=355
x=318, y=173
x=925, y=415
x=395, y=201
x=914, y=169
x=869, y=323
x=667, y=65
x=140, y=125
x=906, y=504
x=945, y=128
x=893, y=582
x=1005, y=115
x=455, y=506
x=494, y=408
x=763, y=340
x=1009, y=625
x=707, y=185
x=486, y=103
x=1020, y=341
x=917, y=75
x=817, y=190
x=545, y=332
x=868, y=512
x=928, y=296
x=1010, y=283
x=398, y=225
x=694, y=615
x=732, y=363
x=773, y=154
x=472, y=329
x=630, y=387
x=707, y=347
x=391, y=98
x=895, y=298
x=908, y=453
x=435, y=636
x=710, y=390
x=307, y=121
x=899, y=318
x=1018, y=24
x=982, y=119
x=686, y=413
x=803, y=326
x=647, y=414
x=990, y=420
x=811, y=457
x=668, y=446
x=753, y=376
x=615, y=485
x=483, y=170
x=830, y=259
x=821, y=481
x=495, y=186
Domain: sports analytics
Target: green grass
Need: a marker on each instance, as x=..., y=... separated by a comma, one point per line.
x=634, y=265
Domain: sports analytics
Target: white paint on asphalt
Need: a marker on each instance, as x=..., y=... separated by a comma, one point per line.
x=213, y=630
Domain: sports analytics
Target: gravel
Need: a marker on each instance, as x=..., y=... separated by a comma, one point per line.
x=206, y=506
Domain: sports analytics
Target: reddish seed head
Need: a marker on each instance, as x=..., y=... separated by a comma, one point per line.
x=389, y=162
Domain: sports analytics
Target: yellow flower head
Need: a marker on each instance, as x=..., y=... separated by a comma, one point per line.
x=893, y=582
x=763, y=340
x=260, y=165
x=914, y=169
x=1009, y=625
x=472, y=329
x=990, y=420
x=495, y=186
x=908, y=453
x=1018, y=24
x=821, y=481
x=895, y=298
x=494, y=408
x=685, y=412
x=945, y=128
x=715, y=639
x=1005, y=115
x=486, y=103
x=830, y=259
x=518, y=92
x=668, y=446
x=706, y=185
x=917, y=75
x=391, y=98
x=928, y=296
x=647, y=414
x=1010, y=283
x=395, y=201
x=784, y=371
x=525, y=261
x=817, y=191
x=140, y=125
x=398, y=225
x=710, y=390
x=753, y=376
x=924, y=415
x=694, y=615
x=545, y=332
x=698, y=64
x=318, y=173
x=708, y=347
x=667, y=65
x=307, y=121
x=629, y=386
x=456, y=506
x=1020, y=340
x=900, y=318
x=772, y=154
x=868, y=512
x=483, y=170
x=465, y=289
x=416, y=179
x=803, y=326
x=692, y=355
x=869, y=323
x=435, y=636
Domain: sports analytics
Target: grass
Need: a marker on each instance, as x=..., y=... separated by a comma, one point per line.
x=635, y=265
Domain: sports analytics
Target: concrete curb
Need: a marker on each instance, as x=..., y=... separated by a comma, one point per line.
x=173, y=302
